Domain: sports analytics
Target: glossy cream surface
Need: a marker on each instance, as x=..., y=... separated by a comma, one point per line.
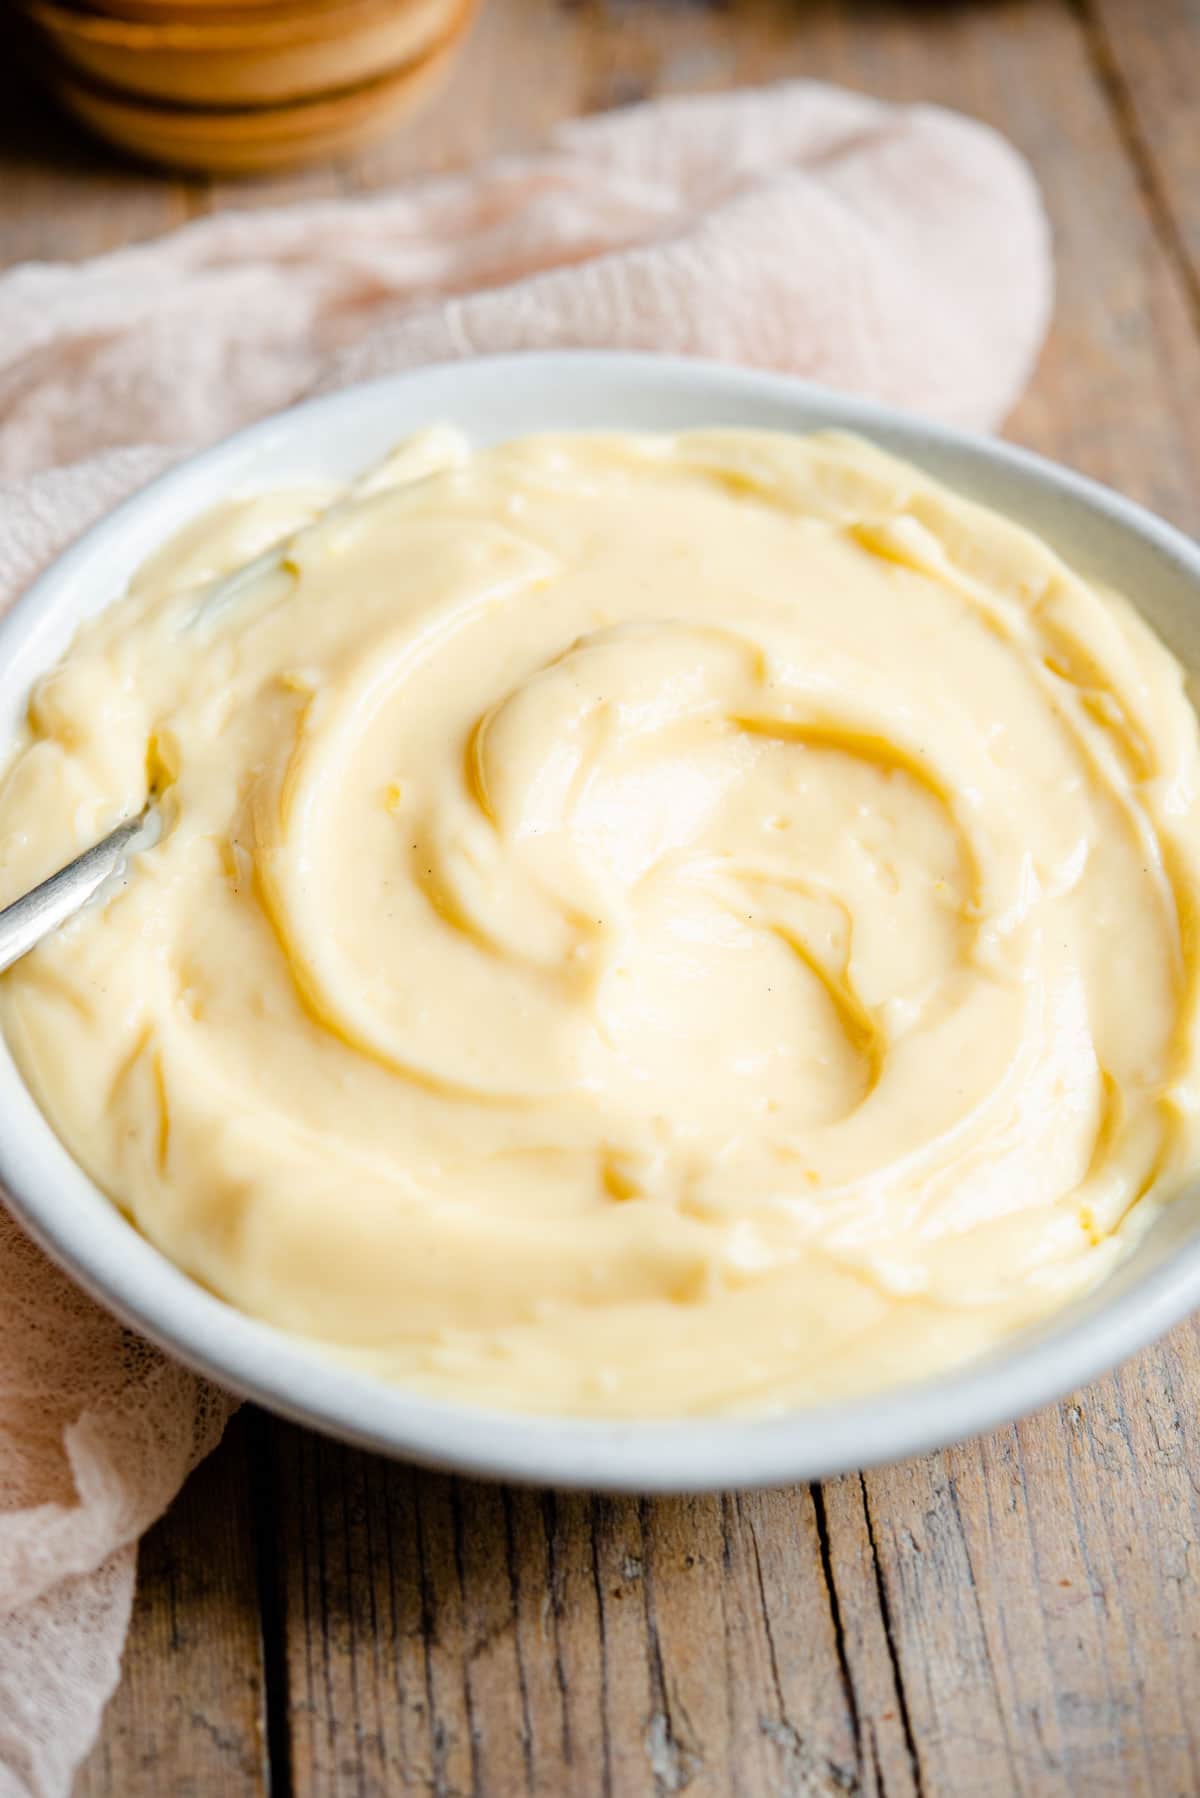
x=641, y=925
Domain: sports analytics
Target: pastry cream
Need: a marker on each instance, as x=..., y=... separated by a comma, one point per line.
x=640, y=924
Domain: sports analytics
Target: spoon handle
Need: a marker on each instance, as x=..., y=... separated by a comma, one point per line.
x=27, y=920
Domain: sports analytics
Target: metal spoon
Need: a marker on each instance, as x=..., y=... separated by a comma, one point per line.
x=27, y=920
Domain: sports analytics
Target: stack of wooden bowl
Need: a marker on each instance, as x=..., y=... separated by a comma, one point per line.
x=245, y=86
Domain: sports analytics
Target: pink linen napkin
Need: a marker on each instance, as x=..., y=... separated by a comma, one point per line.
x=896, y=252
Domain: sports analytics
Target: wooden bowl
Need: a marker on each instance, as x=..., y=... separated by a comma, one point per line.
x=261, y=139
x=263, y=57
x=181, y=12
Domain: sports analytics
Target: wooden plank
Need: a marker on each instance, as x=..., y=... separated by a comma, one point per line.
x=1150, y=56
x=449, y=1636
x=1043, y=1589
x=189, y=1720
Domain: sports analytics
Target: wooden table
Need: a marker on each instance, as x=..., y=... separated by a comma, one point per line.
x=1021, y=1614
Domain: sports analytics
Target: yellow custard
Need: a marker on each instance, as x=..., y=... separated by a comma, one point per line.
x=641, y=925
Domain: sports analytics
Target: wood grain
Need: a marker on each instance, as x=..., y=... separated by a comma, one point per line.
x=1020, y=1614
x=458, y=1637
x=1149, y=56
x=190, y=1719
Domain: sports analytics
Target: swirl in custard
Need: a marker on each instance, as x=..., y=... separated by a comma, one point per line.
x=642, y=924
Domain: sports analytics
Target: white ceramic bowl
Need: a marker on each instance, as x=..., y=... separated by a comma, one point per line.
x=503, y=397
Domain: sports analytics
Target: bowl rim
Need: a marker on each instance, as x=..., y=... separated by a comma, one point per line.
x=83, y=1232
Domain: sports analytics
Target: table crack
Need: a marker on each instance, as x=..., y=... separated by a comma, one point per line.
x=892, y=1646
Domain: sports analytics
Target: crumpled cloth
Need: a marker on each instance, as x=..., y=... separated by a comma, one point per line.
x=896, y=252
